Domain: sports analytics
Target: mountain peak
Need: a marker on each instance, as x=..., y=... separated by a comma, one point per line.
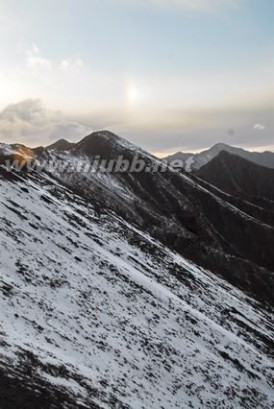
x=220, y=145
x=200, y=159
x=103, y=134
x=61, y=145
x=236, y=175
x=104, y=143
x=97, y=143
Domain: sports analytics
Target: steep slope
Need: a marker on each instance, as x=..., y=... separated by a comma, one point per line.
x=96, y=314
x=196, y=161
x=240, y=178
x=196, y=220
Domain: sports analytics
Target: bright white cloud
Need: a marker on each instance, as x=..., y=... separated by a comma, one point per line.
x=74, y=65
x=38, y=64
x=259, y=127
x=29, y=122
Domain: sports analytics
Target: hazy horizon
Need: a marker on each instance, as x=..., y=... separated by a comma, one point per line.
x=157, y=154
x=170, y=76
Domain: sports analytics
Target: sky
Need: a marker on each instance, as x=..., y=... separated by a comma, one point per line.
x=167, y=74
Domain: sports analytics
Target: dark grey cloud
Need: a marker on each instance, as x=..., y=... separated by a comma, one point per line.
x=29, y=122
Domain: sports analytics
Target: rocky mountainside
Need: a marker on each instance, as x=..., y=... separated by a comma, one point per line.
x=96, y=313
x=241, y=178
x=229, y=236
x=196, y=161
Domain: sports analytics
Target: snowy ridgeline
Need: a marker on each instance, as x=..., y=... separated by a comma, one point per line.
x=101, y=310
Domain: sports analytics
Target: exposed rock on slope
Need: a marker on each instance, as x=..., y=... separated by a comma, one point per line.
x=94, y=313
x=228, y=236
x=241, y=178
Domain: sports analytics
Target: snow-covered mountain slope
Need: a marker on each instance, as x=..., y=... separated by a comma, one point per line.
x=196, y=161
x=96, y=314
x=184, y=213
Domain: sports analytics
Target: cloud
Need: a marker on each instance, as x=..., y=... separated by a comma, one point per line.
x=74, y=65
x=30, y=123
x=38, y=64
x=259, y=127
x=191, y=5
x=35, y=62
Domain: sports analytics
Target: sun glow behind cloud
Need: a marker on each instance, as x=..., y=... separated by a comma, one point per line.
x=154, y=70
x=133, y=95
x=138, y=93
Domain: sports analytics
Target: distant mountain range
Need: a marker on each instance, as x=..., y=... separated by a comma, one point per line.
x=196, y=161
x=124, y=290
x=240, y=178
x=186, y=212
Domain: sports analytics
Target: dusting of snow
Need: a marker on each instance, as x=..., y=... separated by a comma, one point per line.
x=124, y=315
